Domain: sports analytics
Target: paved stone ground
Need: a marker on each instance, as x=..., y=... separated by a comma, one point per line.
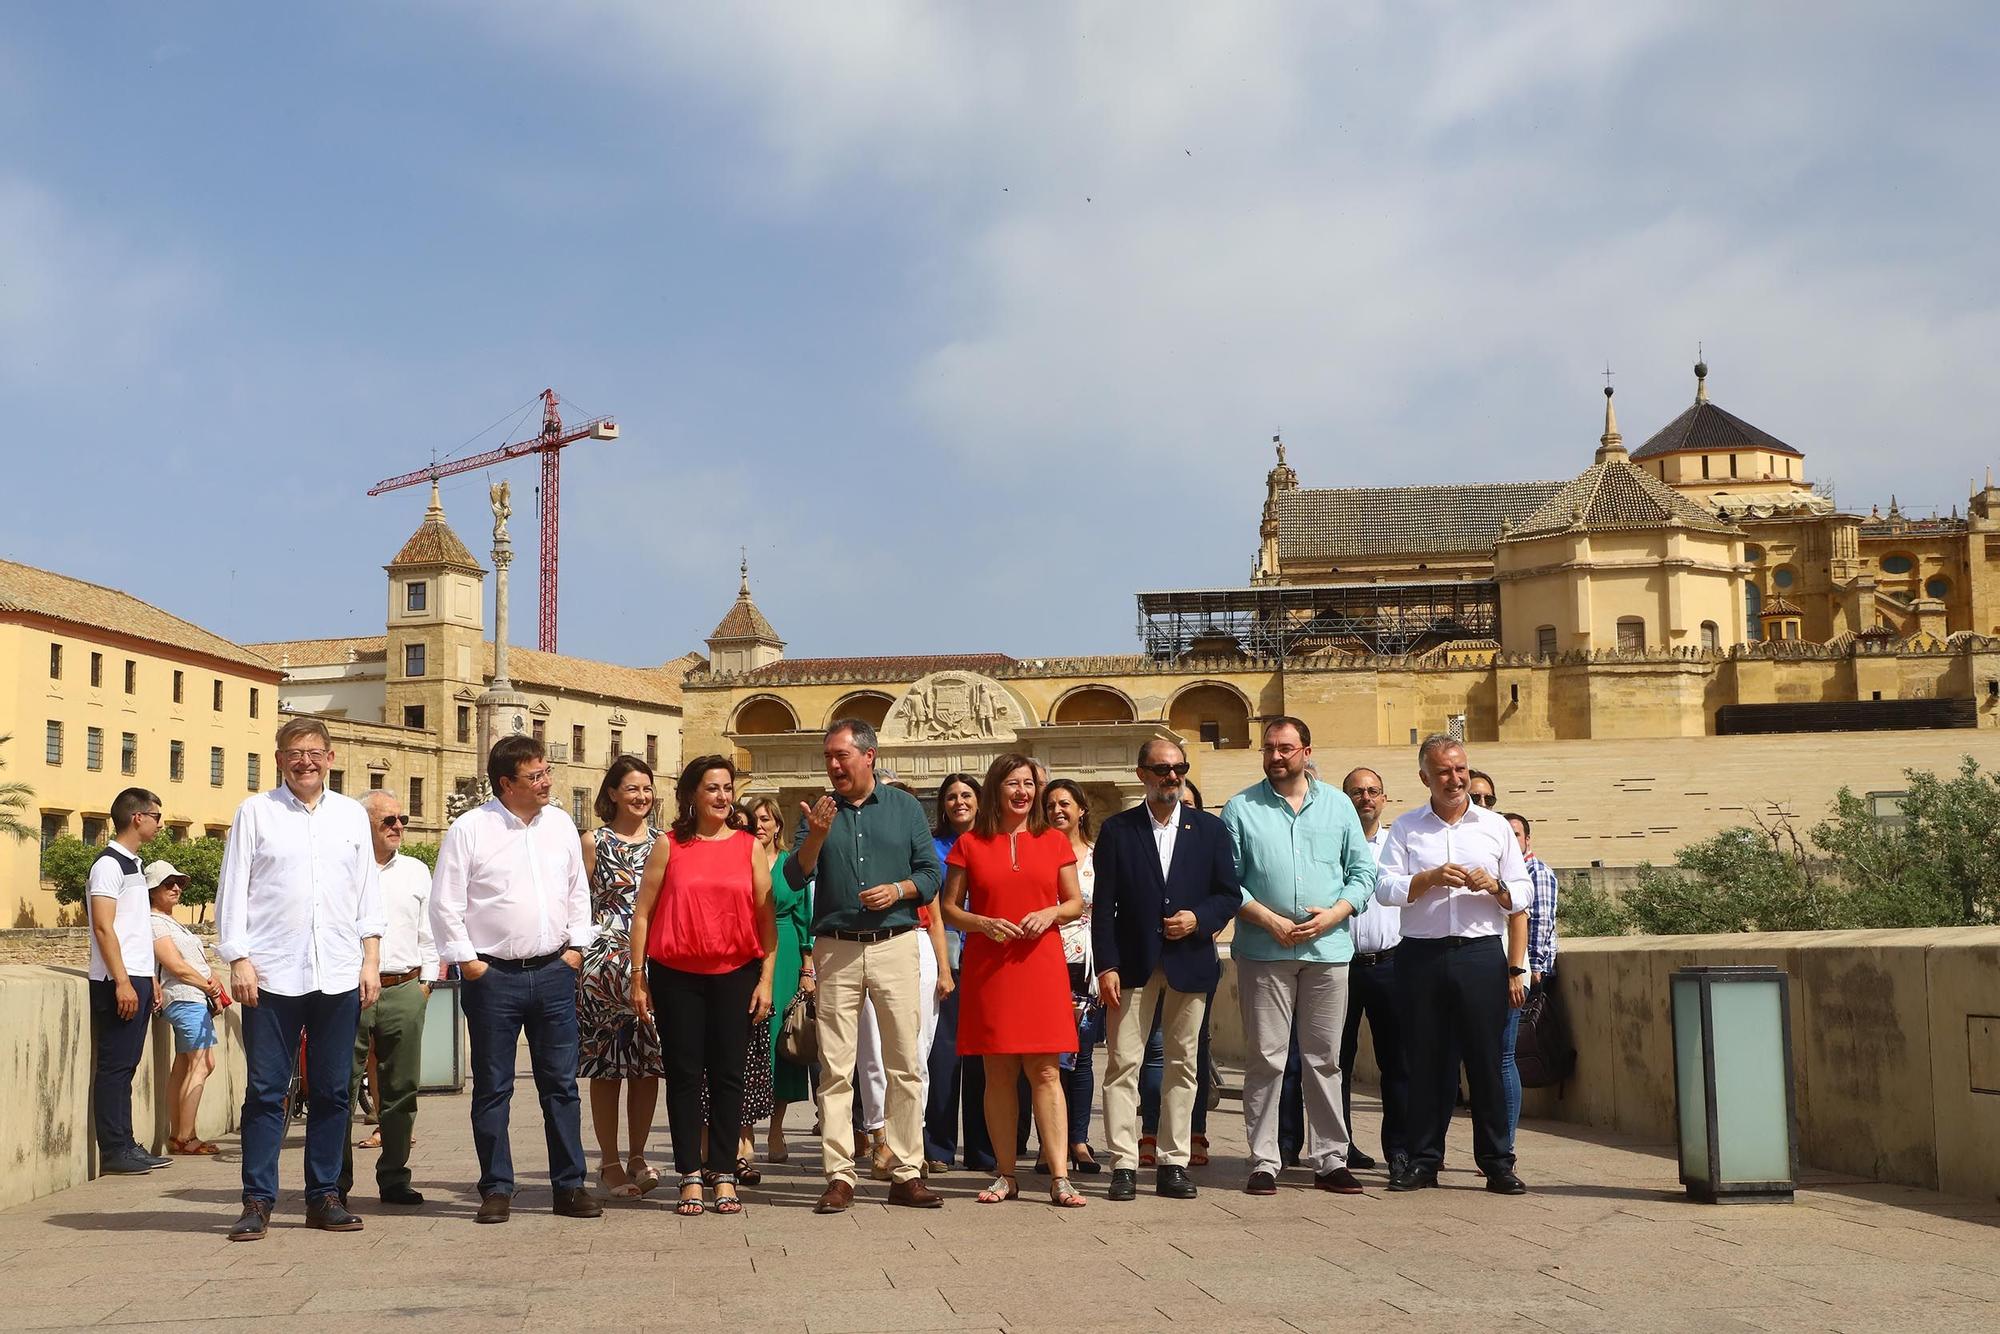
x=1604, y=1242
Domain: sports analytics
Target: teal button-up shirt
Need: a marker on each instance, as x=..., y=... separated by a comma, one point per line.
x=1295, y=863
x=881, y=841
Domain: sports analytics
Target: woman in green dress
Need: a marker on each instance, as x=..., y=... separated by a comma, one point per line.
x=794, y=972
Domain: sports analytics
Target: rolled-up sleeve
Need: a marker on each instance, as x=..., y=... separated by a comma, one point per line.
x=232, y=889
x=448, y=890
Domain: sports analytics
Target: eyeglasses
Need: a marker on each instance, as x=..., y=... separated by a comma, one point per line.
x=536, y=776
x=155, y=815
x=1482, y=798
x=291, y=756
x=1168, y=770
x=1364, y=792
x=1282, y=752
x=394, y=821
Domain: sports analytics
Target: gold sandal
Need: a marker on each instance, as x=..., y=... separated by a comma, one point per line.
x=1004, y=1188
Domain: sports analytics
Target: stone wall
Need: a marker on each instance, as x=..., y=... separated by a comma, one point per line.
x=47, y=1140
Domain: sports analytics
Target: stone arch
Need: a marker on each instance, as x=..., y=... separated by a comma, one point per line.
x=762, y=715
x=1094, y=703
x=1211, y=711
x=870, y=706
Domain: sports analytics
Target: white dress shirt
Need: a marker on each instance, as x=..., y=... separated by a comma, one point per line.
x=1481, y=839
x=1381, y=927
x=406, y=906
x=508, y=889
x=299, y=892
x=1164, y=836
x=118, y=877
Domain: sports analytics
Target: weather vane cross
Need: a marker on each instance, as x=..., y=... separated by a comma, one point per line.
x=1607, y=375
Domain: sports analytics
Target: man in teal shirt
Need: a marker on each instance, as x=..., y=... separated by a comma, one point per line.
x=1306, y=869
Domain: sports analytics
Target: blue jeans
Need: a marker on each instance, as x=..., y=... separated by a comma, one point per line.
x=1510, y=1074
x=941, y=1106
x=121, y=1045
x=506, y=999
x=271, y=1031
x=1153, y=1073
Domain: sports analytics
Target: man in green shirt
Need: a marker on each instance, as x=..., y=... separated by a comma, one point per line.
x=867, y=848
x=1306, y=869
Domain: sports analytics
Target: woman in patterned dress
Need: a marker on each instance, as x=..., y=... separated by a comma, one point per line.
x=616, y=1047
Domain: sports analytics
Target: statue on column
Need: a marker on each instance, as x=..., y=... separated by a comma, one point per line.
x=501, y=496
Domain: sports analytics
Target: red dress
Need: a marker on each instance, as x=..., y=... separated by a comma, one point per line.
x=1013, y=996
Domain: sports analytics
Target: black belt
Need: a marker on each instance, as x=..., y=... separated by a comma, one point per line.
x=520, y=965
x=1450, y=942
x=1369, y=958
x=866, y=937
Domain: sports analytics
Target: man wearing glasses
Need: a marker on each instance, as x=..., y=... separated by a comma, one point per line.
x=1166, y=884
x=298, y=916
x=122, y=996
x=1371, y=989
x=1479, y=789
x=395, y=1022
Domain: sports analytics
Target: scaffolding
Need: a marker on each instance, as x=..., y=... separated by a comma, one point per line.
x=1287, y=621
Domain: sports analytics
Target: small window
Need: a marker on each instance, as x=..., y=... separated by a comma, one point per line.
x=1631, y=634
x=416, y=595
x=1784, y=577
x=176, y=761
x=577, y=798
x=131, y=677
x=1937, y=587
x=413, y=716
x=336, y=780
x=55, y=662
x=652, y=751
x=413, y=659
x=52, y=743
x=53, y=828
x=1753, y=554
x=180, y=684
x=1732, y=465
x=215, y=766
x=1704, y=467
x=415, y=809
x=96, y=670
x=1897, y=565
x=539, y=729
x=617, y=746
x=576, y=751
x=1210, y=731
x=1753, y=606
x=1545, y=641
x=464, y=723
x=128, y=753
x=93, y=748
x=254, y=772
x=1711, y=635
x=218, y=695
x=375, y=780
x=94, y=829
x=253, y=701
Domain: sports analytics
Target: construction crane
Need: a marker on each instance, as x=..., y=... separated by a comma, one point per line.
x=549, y=444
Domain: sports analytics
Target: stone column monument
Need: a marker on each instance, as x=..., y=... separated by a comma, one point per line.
x=503, y=710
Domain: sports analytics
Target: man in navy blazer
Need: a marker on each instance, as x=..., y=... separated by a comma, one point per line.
x=1166, y=883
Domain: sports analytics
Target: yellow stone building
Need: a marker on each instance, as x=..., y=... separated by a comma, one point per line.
x=106, y=692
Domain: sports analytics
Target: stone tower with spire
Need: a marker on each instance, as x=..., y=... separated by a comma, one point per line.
x=432, y=662
x=744, y=640
x=1277, y=482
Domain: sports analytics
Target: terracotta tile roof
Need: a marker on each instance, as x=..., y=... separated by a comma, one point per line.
x=878, y=669
x=744, y=621
x=24, y=588
x=1617, y=496
x=1331, y=524
x=1779, y=606
x=1707, y=427
x=529, y=667
x=434, y=543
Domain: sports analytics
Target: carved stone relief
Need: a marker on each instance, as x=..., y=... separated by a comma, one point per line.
x=954, y=706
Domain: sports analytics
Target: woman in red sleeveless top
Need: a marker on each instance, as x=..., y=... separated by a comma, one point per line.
x=704, y=911
x=1014, y=995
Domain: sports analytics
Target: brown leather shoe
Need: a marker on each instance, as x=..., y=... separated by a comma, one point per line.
x=577, y=1202
x=914, y=1194
x=1340, y=1181
x=255, y=1222
x=494, y=1208
x=839, y=1195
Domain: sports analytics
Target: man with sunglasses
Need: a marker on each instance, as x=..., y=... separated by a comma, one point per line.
x=1166, y=884
x=122, y=994
x=395, y=1023
x=298, y=918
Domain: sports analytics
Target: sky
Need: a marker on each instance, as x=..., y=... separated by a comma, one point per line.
x=966, y=321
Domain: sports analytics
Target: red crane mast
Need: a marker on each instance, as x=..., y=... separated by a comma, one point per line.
x=549, y=444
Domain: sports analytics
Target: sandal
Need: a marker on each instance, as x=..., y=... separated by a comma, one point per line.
x=374, y=1141
x=1004, y=1188
x=1081, y=1159
x=1064, y=1196
x=775, y=1151
x=727, y=1204
x=1149, y=1151
x=1199, y=1156
x=617, y=1190
x=691, y=1206
x=644, y=1175
x=747, y=1172
x=194, y=1146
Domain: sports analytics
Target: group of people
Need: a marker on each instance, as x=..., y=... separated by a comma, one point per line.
x=957, y=968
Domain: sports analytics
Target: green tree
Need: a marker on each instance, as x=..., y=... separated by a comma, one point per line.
x=1938, y=866
x=66, y=864
x=1743, y=879
x=199, y=859
x=1582, y=909
x=427, y=853
x=14, y=801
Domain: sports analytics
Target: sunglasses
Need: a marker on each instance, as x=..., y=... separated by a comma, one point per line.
x=394, y=821
x=1482, y=799
x=1168, y=770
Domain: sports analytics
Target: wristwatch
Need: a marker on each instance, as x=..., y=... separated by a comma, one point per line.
x=1517, y=972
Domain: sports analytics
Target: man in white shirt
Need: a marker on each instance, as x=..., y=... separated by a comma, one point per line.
x=510, y=905
x=1456, y=872
x=1371, y=986
x=298, y=916
x=122, y=995
x=396, y=1021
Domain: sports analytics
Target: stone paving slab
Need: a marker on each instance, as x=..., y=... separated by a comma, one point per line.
x=1604, y=1241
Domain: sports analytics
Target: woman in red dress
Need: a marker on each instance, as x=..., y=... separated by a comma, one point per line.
x=1014, y=997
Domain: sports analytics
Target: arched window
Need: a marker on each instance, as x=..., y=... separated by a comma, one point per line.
x=1631, y=634
x=1214, y=713
x=1753, y=604
x=1093, y=704
x=1711, y=635
x=870, y=706
x=763, y=716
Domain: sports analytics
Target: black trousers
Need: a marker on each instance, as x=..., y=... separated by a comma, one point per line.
x=1371, y=991
x=704, y=1021
x=121, y=1044
x=1454, y=996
